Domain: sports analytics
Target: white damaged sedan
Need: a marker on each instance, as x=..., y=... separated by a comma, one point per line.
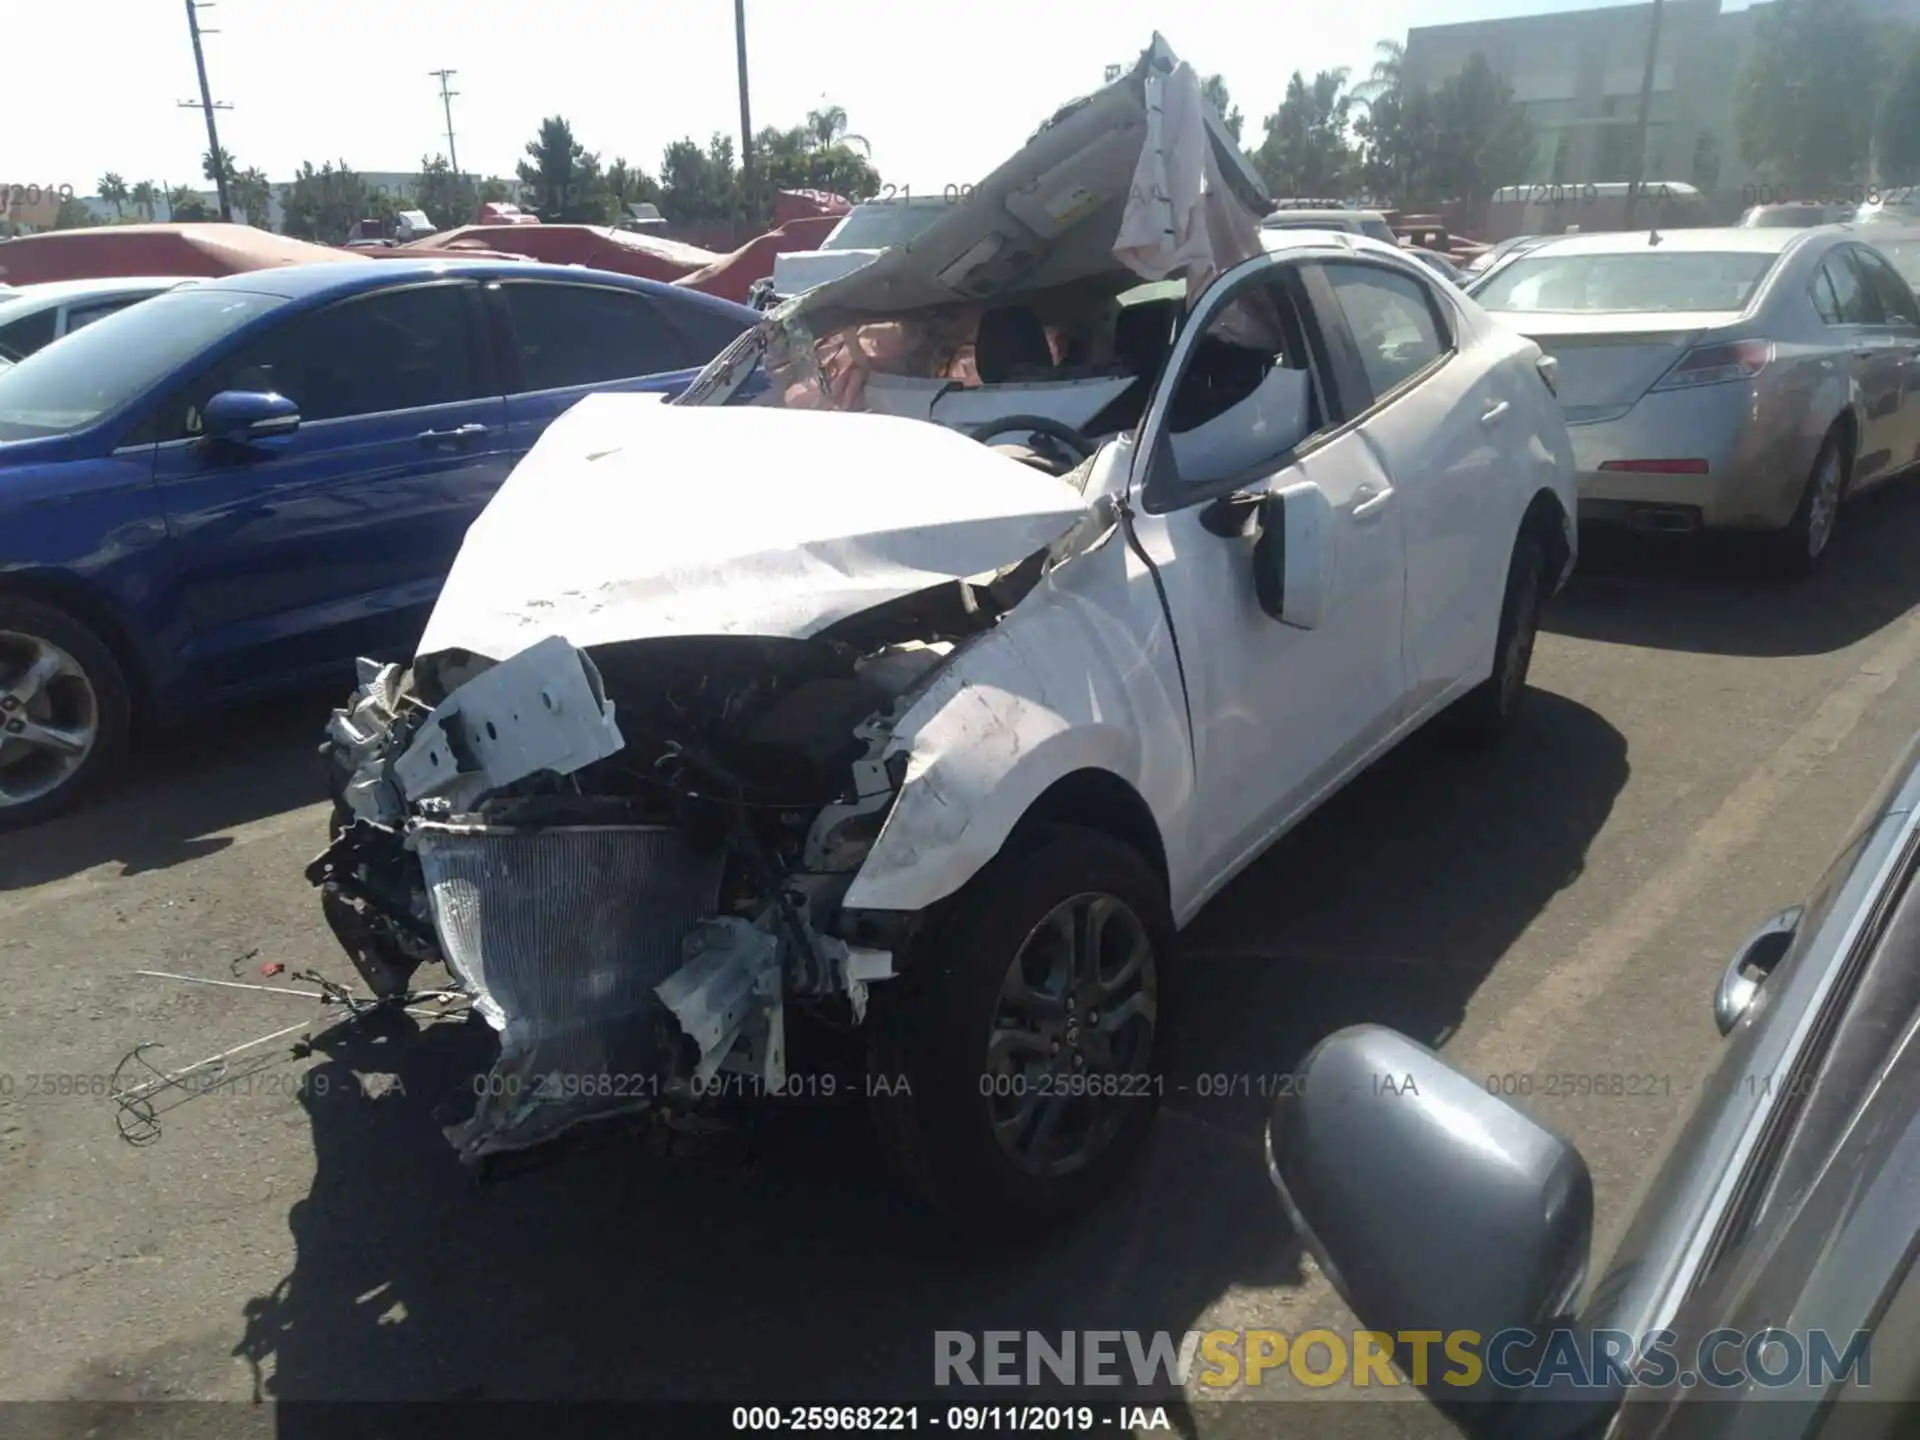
x=797, y=701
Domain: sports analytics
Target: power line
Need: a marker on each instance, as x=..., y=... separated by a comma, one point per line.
x=446, y=105
x=206, y=106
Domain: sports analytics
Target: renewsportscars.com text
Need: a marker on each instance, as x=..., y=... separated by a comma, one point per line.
x=1515, y=1359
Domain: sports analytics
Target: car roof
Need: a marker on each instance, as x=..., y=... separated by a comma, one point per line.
x=1715, y=239
x=1290, y=238
x=57, y=291
x=331, y=279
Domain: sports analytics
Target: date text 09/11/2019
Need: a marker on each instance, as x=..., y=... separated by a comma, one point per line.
x=960, y=1419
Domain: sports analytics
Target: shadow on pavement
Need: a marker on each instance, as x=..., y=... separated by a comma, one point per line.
x=179, y=789
x=1703, y=594
x=788, y=1267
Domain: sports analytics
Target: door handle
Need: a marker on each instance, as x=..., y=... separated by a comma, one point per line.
x=1369, y=501
x=1493, y=416
x=458, y=435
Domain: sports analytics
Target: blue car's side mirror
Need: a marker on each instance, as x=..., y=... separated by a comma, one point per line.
x=249, y=417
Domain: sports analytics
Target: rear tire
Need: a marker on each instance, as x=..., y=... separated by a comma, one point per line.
x=56, y=678
x=1484, y=714
x=971, y=1053
x=1795, y=552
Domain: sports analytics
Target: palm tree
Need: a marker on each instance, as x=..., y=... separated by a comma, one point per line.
x=827, y=127
x=1388, y=72
x=251, y=192
x=144, y=196
x=113, y=190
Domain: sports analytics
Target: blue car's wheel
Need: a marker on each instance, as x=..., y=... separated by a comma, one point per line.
x=63, y=711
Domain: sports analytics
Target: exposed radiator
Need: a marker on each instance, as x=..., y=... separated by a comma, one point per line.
x=560, y=935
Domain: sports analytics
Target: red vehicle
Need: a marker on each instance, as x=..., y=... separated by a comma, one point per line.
x=598, y=247
x=103, y=251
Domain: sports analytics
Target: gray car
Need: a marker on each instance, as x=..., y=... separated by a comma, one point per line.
x=1789, y=1198
x=1740, y=379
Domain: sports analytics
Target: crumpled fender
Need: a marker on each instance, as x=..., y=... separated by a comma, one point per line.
x=1059, y=686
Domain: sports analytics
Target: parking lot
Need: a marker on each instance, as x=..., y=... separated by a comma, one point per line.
x=1697, y=746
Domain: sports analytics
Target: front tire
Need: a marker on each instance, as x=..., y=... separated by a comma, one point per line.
x=1015, y=1075
x=1484, y=714
x=64, y=712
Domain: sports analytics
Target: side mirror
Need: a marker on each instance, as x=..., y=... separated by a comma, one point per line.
x=1752, y=963
x=1290, y=561
x=249, y=417
x=1431, y=1204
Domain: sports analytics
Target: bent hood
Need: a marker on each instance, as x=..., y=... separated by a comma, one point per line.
x=631, y=519
x=1141, y=176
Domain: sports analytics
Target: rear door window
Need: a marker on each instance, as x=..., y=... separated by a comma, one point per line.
x=22, y=337
x=1896, y=300
x=568, y=335
x=1857, y=303
x=707, y=330
x=81, y=316
x=1391, y=317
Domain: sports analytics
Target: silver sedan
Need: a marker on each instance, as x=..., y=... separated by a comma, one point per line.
x=1741, y=379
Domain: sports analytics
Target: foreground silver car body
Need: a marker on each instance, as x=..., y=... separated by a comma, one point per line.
x=1790, y=1197
x=1731, y=446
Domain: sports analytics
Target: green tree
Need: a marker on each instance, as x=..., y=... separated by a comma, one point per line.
x=564, y=178
x=496, y=191
x=250, y=191
x=631, y=185
x=1484, y=139
x=1400, y=138
x=450, y=200
x=184, y=205
x=1213, y=90
x=792, y=160
x=1801, y=108
x=700, y=186
x=827, y=127
x=1388, y=74
x=113, y=190
x=74, y=215
x=216, y=169
x=326, y=204
x=144, y=197
x=1900, y=118
x=1308, y=149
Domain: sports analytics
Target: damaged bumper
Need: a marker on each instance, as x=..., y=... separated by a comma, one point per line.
x=633, y=903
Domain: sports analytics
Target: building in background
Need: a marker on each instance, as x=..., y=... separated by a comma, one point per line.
x=1578, y=74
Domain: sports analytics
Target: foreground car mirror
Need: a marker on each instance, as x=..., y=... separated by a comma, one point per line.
x=248, y=417
x=1290, y=557
x=1752, y=963
x=1431, y=1204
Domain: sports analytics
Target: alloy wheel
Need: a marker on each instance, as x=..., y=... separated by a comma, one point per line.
x=49, y=718
x=1824, y=505
x=1072, y=1033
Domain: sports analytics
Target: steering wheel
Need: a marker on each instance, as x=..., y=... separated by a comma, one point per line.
x=1081, y=445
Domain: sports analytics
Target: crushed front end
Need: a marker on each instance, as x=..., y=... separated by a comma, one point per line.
x=631, y=858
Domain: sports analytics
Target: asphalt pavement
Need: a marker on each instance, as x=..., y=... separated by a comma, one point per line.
x=1696, y=747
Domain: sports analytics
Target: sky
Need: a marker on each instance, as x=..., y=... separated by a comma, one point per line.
x=943, y=92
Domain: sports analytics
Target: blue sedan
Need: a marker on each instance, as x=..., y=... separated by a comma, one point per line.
x=239, y=486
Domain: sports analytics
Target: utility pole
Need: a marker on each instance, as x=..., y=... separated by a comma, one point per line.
x=746, y=118
x=206, y=106
x=446, y=105
x=1646, y=108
